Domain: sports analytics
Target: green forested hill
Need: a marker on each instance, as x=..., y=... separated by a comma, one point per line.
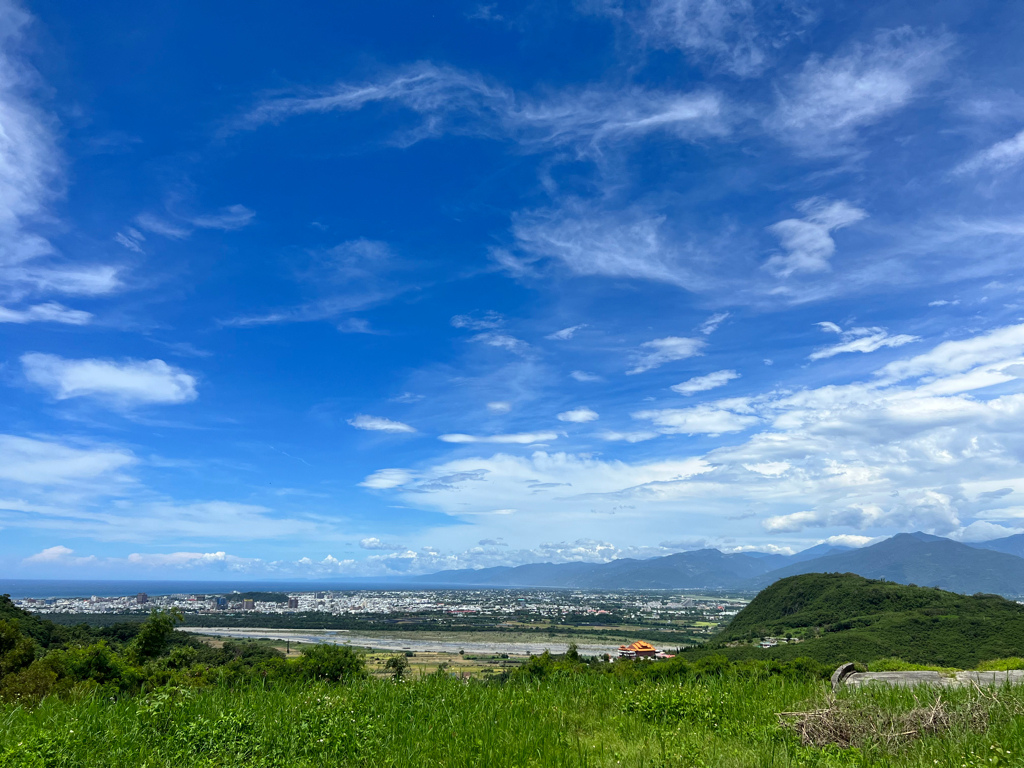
x=845, y=617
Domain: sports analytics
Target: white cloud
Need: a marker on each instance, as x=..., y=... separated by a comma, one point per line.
x=769, y=468
x=378, y=424
x=160, y=226
x=408, y=397
x=132, y=519
x=566, y=333
x=356, y=325
x=584, y=376
x=488, y=321
x=578, y=415
x=183, y=560
x=639, y=436
x=73, y=281
x=808, y=242
x=737, y=36
x=950, y=357
x=126, y=382
x=821, y=109
x=486, y=13
x=859, y=340
x=26, y=460
x=710, y=325
x=770, y=549
x=919, y=509
x=1001, y=156
x=521, y=438
x=180, y=227
x=937, y=454
x=502, y=341
x=50, y=312
x=486, y=484
x=984, y=531
x=706, y=382
x=131, y=239
x=590, y=241
x=657, y=352
x=373, y=543
x=943, y=303
x=230, y=218
x=711, y=419
x=349, y=277
x=499, y=406
x=31, y=177
x=849, y=540
x=58, y=555
x=387, y=478
x=450, y=101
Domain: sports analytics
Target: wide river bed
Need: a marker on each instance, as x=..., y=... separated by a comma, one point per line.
x=341, y=637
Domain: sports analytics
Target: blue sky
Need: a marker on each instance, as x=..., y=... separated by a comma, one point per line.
x=397, y=287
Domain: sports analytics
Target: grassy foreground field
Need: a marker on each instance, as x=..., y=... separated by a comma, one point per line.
x=571, y=720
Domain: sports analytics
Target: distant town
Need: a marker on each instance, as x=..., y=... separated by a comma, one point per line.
x=695, y=613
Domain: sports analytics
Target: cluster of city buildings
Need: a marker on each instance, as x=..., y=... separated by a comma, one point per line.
x=506, y=605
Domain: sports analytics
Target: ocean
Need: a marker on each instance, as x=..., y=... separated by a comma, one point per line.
x=46, y=588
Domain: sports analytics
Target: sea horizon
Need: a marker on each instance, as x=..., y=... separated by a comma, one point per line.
x=68, y=588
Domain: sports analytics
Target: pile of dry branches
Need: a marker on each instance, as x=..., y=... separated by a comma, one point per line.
x=847, y=723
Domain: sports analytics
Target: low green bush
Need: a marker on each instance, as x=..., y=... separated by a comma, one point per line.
x=893, y=664
x=1001, y=665
x=332, y=663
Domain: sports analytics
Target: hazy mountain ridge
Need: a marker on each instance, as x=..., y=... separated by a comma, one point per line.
x=907, y=558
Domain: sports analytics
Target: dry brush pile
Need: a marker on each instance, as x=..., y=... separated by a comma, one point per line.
x=871, y=719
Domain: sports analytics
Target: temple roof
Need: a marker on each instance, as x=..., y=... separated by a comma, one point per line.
x=639, y=645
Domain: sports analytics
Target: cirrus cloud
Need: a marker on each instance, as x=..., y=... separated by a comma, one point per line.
x=379, y=424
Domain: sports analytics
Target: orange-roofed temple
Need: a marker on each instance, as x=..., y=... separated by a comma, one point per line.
x=638, y=650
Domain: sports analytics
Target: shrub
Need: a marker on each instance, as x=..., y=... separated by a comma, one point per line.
x=715, y=665
x=893, y=664
x=97, y=663
x=1001, y=665
x=331, y=662
x=694, y=704
x=28, y=686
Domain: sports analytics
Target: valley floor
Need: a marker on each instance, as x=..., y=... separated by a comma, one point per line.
x=519, y=644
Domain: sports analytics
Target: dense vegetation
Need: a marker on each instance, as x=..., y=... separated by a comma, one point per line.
x=570, y=720
x=845, y=617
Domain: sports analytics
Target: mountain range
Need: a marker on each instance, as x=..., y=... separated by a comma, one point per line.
x=993, y=567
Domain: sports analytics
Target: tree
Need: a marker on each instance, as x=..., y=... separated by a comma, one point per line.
x=16, y=650
x=152, y=639
x=398, y=665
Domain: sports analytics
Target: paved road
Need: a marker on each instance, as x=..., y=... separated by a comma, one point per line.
x=402, y=643
x=858, y=679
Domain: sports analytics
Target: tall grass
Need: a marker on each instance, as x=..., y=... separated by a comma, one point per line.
x=582, y=720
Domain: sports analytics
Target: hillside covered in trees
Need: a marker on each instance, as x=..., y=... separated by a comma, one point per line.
x=844, y=617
